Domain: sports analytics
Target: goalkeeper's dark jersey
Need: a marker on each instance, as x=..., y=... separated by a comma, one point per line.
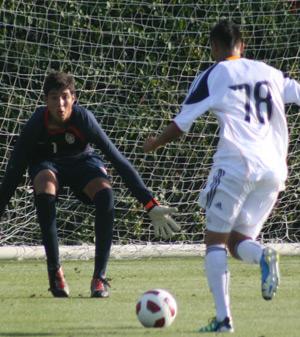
x=37, y=142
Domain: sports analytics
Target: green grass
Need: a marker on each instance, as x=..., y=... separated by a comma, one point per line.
x=27, y=309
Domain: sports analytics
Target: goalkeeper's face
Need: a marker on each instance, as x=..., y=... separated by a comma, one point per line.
x=60, y=104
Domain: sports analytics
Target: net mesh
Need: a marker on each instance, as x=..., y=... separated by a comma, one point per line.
x=133, y=63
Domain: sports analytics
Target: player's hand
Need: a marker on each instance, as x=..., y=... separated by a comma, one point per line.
x=150, y=144
x=164, y=225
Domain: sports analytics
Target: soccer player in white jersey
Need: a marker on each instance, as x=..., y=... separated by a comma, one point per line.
x=249, y=167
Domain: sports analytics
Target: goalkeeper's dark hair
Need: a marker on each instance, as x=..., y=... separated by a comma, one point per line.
x=59, y=80
x=226, y=34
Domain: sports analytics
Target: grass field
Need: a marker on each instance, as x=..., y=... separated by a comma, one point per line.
x=27, y=309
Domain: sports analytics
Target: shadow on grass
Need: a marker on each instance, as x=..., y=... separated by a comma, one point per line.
x=129, y=330
x=74, y=295
x=107, y=331
x=26, y=334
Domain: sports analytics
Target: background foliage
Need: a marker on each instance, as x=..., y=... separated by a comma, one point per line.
x=133, y=63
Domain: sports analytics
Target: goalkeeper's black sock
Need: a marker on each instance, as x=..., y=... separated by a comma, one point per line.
x=104, y=202
x=46, y=213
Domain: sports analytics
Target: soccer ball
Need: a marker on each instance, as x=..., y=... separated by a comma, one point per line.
x=156, y=308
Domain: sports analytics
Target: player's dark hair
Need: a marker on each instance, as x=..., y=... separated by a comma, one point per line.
x=59, y=80
x=226, y=34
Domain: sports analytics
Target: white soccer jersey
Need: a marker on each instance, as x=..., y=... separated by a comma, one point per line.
x=248, y=99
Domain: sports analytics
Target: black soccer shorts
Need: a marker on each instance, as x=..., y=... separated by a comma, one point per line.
x=73, y=172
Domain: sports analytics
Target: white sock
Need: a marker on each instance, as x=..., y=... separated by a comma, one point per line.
x=218, y=279
x=249, y=251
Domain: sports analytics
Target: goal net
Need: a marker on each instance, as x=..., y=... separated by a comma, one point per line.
x=133, y=63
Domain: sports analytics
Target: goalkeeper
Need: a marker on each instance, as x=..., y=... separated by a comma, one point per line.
x=55, y=146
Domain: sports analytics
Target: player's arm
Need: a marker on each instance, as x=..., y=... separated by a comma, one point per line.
x=180, y=125
x=169, y=134
x=96, y=135
x=195, y=104
x=160, y=216
x=17, y=162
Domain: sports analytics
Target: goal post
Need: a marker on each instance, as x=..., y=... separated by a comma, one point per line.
x=133, y=63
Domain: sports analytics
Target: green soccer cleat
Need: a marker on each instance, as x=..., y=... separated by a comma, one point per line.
x=269, y=273
x=216, y=326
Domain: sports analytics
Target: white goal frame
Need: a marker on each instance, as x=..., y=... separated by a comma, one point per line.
x=87, y=252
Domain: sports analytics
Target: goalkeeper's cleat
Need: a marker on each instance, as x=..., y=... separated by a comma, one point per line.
x=99, y=287
x=269, y=273
x=58, y=284
x=216, y=326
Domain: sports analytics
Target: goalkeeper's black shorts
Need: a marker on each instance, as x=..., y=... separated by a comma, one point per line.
x=73, y=172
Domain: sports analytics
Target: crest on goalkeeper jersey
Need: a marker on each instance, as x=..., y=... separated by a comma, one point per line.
x=70, y=138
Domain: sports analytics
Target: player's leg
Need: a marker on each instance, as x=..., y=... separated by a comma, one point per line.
x=221, y=200
x=218, y=277
x=45, y=187
x=244, y=248
x=242, y=243
x=251, y=251
x=99, y=190
x=89, y=181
